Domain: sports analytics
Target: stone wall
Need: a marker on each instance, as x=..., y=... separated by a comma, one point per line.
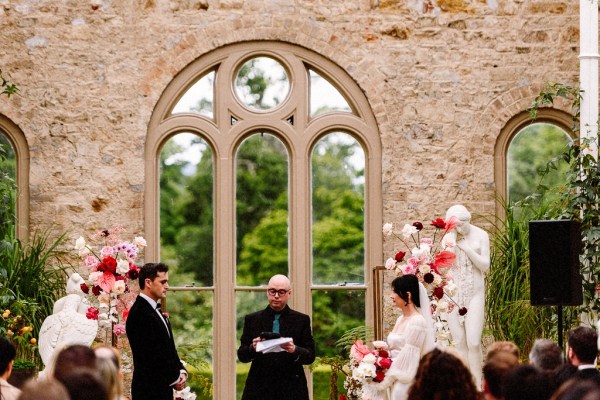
x=442, y=78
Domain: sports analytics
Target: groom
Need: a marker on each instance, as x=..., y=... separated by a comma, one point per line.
x=157, y=369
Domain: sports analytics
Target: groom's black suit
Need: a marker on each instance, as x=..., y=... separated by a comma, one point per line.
x=155, y=360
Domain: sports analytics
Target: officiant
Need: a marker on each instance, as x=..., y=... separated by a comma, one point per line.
x=277, y=374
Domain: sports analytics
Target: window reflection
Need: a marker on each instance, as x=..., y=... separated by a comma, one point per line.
x=198, y=98
x=262, y=83
x=324, y=97
x=338, y=165
x=261, y=209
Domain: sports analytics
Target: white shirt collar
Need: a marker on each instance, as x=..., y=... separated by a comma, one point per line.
x=149, y=300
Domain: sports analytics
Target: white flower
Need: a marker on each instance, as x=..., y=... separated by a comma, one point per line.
x=122, y=267
x=424, y=269
x=390, y=263
x=369, y=358
x=119, y=287
x=442, y=336
x=450, y=289
x=104, y=298
x=185, y=394
x=139, y=241
x=437, y=280
x=442, y=306
x=408, y=230
x=380, y=344
x=388, y=229
x=365, y=369
x=80, y=243
x=95, y=275
x=84, y=252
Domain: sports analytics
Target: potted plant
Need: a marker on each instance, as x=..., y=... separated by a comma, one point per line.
x=16, y=329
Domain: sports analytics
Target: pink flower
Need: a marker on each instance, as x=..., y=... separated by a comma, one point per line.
x=119, y=329
x=359, y=350
x=106, y=281
x=107, y=251
x=444, y=259
x=409, y=270
x=451, y=223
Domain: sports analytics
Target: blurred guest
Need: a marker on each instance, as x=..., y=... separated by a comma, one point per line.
x=7, y=358
x=48, y=389
x=70, y=359
x=108, y=362
x=577, y=389
x=495, y=370
x=582, y=352
x=502, y=346
x=526, y=382
x=85, y=384
x=442, y=375
x=546, y=355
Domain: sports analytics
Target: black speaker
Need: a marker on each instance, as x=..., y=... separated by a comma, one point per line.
x=554, y=248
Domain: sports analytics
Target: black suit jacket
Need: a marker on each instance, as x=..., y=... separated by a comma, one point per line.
x=277, y=375
x=156, y=364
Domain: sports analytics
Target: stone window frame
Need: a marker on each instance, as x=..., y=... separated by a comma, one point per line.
x=361, y=124
x=559, y=118
x=19, y=142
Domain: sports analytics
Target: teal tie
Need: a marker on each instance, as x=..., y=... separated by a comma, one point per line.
x=276, y=323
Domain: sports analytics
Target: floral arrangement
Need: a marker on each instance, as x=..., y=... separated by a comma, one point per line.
x=431, y=261
x=184, y=394
x=16, y=329
x=111, y=273
x=368, y=369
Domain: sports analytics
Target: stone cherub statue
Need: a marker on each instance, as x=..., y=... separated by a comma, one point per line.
x=68, y=323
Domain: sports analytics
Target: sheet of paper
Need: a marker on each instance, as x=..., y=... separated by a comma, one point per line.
x=272, y=345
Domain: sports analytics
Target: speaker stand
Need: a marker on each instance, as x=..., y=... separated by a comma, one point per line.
x=560, y=325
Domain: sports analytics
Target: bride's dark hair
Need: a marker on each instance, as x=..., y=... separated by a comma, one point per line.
x=407, y=283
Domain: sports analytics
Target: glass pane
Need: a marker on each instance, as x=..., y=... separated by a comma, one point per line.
x=8, y=180
x=338, y=165
x=531, y=149
x=186, y=207
x=262, y=83
x=261, y=209
x=198, y=98
x=334, y=312
x=191, y=316
x=246, y=303
x=324, y=97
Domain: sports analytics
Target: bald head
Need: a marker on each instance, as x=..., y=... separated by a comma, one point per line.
x=278, y=292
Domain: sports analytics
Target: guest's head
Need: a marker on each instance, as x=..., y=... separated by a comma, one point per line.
x=441, y=375
x=279, y=291
x=495, y=370
x=502, y=346
x=407, y=288
x=154, y=280
x=583, y=345
x=44, y=389
x=71, y=358
x=526, y=382
x=7, y=357
x=108, y=364
x=577, y=389
x=85, y=384
x=546, y=355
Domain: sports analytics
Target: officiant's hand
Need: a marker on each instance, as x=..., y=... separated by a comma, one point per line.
x=290, y=347
x=255, y=341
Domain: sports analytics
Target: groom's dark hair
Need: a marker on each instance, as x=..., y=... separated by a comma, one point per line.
x=151, y=270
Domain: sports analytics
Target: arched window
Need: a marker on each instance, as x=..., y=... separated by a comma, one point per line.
x=14, y=188
x=263, y=162
x=526, y=145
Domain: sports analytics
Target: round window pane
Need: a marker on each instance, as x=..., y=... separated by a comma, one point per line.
x=262, y=83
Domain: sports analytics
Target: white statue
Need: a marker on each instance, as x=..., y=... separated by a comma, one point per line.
x=472, y=263
x=68, y=323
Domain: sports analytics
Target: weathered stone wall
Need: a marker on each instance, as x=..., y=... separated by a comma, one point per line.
x=442, y=77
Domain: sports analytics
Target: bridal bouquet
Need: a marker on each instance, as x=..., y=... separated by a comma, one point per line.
x=368, y=369
x=110, y=273
x=429, y=258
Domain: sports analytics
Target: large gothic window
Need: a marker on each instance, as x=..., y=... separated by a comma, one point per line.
x=262, y=162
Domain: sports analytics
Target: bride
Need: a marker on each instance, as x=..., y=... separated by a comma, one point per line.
x=412, y=336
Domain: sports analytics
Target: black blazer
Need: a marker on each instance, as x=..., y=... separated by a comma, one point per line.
x=156, y=364
x=277, y=375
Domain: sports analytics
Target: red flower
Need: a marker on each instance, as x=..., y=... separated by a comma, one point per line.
x=96, y=290
x=383, y=353
x=125, y=314
x=438, y=292
x=92, y=313
x=133, y=272
x=343, y=397
x=84, y=288
x=418, y=225
x=462, y=311
x=428, y=277
x=438, y=223
x=399, y=256
x=379, y=375
x=109, y=264
x=385, y=363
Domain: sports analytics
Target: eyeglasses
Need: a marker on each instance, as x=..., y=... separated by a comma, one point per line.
x=281, y=292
